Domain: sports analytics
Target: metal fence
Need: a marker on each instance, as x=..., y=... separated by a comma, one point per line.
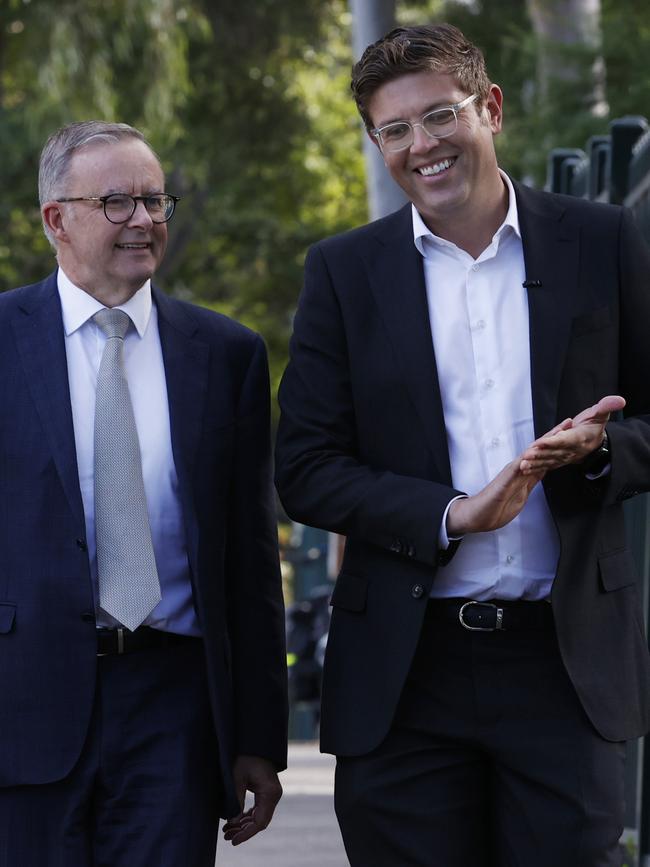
x=616, y=168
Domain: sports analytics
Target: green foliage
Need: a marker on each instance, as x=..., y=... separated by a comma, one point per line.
x=629, y=853
x=247, y=103
x=626, y=48
x=563, y=116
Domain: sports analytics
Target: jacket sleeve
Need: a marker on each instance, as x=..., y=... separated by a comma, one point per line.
x=321, y=478
x=254, y=589
x=630, y=435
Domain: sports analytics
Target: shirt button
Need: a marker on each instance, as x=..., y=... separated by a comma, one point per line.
x=488, y=383
x=474, y=267
x=480, y=325
x=509, y=559
x=495, y=441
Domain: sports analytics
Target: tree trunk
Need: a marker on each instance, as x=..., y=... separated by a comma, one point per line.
x=372, y=19
x=569, y=40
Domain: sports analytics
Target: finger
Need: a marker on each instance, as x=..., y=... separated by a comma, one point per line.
x=234, y=828
x=536, y=469
x=601, y=411
x=580, y=439
x=236, y=821
x=244, y=833
x=248, y=827
x=265, y=804
x=610, y=403
x=563, y=425
x=535, y=473
x=541, y=467
x=529, y=465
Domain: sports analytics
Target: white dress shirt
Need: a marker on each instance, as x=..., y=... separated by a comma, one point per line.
x=478, y=311
x=84, y=344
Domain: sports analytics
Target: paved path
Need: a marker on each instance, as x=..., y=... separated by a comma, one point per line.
x=304, y=832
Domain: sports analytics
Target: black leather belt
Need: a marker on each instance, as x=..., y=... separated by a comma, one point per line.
x=497, y=614
x=115, y=641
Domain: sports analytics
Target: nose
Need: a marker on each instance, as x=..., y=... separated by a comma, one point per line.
x=140, y=217
x=422, y=141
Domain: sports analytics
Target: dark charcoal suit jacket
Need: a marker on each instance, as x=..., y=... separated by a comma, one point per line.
x=362, y=451
x=217, y=383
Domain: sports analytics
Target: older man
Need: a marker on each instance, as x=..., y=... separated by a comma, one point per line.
x=141, y=619
x=486, y=657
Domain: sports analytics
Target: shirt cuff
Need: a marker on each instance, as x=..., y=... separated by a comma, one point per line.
x=593, y=476
x=443, y=538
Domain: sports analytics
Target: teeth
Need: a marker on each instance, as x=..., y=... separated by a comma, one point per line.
x=133, y=246
x=437, y=167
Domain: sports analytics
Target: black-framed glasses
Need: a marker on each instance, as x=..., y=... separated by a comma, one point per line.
x=120, y=207
x=439, y=123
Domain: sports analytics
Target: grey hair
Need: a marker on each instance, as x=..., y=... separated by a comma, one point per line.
x=61, y=146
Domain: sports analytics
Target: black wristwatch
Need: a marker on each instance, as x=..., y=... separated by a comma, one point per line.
x=596, y=461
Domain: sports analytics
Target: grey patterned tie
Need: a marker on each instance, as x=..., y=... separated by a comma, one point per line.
x=129, y=588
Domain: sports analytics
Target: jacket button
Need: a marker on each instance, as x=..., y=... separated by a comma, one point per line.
x=396, y=546
x=81, y=544
x=410, y=552
x=88, y=617
x=417, y=591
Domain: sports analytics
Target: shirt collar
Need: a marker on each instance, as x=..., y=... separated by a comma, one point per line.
x=421, y=230
x=77, y=306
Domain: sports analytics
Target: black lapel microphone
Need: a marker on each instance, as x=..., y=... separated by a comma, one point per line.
x=531, y=284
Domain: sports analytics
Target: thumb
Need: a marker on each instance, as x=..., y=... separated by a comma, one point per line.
x=601, y=411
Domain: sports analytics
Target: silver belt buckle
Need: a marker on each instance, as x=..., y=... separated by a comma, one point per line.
x=499, y=617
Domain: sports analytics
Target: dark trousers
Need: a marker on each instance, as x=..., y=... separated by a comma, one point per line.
x=144, y=791
x=490, y=762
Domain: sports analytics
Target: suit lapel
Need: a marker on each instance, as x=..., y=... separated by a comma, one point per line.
x=397, y=279
x=185, y=358
x=551, y=248
x=38, y=330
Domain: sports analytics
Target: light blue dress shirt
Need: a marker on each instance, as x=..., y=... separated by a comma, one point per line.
x=84, y=343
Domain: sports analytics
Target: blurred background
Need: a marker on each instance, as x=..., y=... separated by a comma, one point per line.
x=247, y=104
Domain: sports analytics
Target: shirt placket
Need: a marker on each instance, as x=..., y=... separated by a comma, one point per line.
x=493, y=397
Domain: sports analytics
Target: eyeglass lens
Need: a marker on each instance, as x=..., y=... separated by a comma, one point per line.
x=119, y=207
x=439, y=124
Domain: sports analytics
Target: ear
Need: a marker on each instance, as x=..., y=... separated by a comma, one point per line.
x=53, y=218
x=494, y=106
x=375, y=141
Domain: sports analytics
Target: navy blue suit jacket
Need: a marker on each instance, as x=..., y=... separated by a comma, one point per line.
x=362, y=450
x=217, y=382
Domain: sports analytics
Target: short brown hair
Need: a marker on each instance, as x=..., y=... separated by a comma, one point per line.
x=431, y=48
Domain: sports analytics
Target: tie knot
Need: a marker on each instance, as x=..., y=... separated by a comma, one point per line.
x=114, y=323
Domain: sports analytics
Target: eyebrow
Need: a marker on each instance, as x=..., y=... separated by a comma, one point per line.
x=112, y=192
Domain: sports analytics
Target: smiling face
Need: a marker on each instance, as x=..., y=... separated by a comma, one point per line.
x=449, y=180
x=108, y=261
